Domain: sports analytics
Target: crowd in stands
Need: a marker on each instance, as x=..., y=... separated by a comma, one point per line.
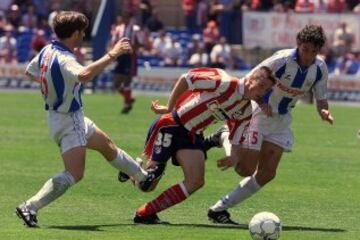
x=206, y=37
x=205, y=40
x=25, y=25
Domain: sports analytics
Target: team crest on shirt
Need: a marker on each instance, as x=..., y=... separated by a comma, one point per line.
x=217, y=111
x=157, y=149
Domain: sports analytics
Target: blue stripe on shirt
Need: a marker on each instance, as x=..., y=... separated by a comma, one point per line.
x=58, y=82
x=299, y=78
x=280, y=71
x=283, y=105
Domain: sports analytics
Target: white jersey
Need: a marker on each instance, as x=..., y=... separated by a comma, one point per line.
x=57, y=70
x=293, y=81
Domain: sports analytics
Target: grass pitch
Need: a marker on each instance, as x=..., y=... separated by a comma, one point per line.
x=316, y=192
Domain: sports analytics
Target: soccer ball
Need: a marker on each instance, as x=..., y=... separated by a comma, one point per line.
x=265, y=226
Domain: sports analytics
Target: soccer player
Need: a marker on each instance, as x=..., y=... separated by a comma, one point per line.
x=200, y=97
x=126, y=66
x=298, y=71
x=61, y=78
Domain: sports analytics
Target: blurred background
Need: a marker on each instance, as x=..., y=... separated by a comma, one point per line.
x=171, y=36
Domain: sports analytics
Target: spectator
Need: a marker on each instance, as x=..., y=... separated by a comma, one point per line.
x=193, y=46
x=29, y=19
x=304, y=6
x=221, y=55
x=14, y=16
x=278, y=6
x=8, y=46
x=210, y=35
x=160, y=43
x=200, y=58
x=153, y=23
x=189, y=8
x=343, y=39
x=173, y=53
x=348, y=64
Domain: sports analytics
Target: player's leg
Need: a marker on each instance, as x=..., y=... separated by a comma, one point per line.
x=117, y=157
x=270, y=156
x=245, y=163
x=192, y=163
x=69, y=131
x=127, y=93
x=74, y=161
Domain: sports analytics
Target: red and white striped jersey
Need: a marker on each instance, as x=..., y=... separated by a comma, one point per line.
x=214, y=96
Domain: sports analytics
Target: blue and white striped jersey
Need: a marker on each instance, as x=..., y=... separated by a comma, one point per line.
x=57, y=70
x=294, y=81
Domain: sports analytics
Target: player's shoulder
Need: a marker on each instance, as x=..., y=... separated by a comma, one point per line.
x=285, y=53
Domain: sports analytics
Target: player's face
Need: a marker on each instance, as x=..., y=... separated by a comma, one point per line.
x=307, y=54
x=259, y=85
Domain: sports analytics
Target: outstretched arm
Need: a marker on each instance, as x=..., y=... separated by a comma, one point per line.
x=323, y=110
x=90, y=71
x=180, y=87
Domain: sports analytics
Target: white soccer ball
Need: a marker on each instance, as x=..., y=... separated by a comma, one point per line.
x=265, y=226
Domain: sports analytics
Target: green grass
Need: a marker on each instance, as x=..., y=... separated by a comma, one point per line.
x=316, y=192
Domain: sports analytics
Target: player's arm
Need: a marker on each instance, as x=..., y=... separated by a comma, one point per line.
x=180, y=87
x=320, y=89
x=33, y=69
x=89, y=72
x=323, y=110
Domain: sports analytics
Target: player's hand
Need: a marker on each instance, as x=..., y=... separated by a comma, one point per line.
x=266, y=108
x=224, y=163
x=326, y=116
x=121, y=47
x=158, y=108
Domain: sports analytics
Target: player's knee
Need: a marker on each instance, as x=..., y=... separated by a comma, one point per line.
x=244, y=170
x=265, y=176
x=194, y=184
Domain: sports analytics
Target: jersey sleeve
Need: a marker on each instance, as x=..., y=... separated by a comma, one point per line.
x=70, y=68
x=33, y=68
x=275, y=62
x=320, y=86
x=203, y=79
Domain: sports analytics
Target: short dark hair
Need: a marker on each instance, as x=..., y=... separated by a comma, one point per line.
x=269, y=73
x=312, y=34
x=68, y=22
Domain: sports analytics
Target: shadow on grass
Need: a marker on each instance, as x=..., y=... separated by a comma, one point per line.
x=99, y=227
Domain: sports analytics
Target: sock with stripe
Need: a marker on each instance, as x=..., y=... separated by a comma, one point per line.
x=166, y=199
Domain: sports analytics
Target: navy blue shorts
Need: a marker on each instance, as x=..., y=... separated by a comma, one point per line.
x=166, y=136
x=126, y=65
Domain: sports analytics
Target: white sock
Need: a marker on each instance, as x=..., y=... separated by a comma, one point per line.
x=247, y=187
x=128, y=165
x=51, y=190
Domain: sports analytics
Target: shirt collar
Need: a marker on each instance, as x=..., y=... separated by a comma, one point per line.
x=60, y=46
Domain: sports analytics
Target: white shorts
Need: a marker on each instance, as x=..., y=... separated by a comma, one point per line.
x=275, y=129
x=70, y=130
